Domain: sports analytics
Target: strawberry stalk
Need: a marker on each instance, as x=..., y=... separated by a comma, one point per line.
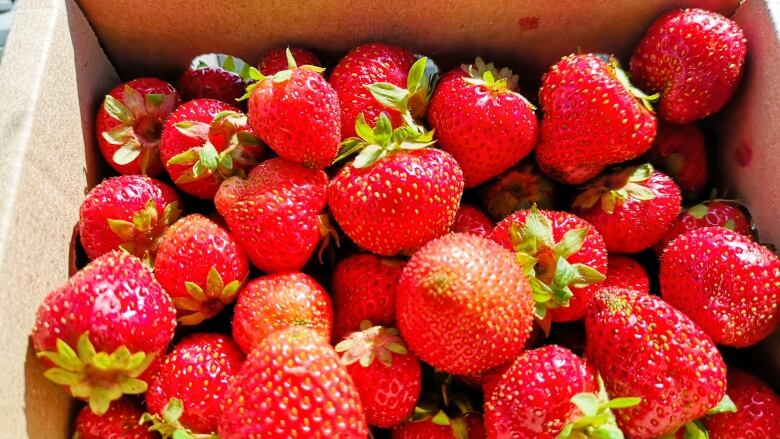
x=613, y=190
x=168, y=424
x=278, y=77
x=597, y=420
x=141, y=235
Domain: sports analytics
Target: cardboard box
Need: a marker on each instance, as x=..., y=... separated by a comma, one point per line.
x=55, y=73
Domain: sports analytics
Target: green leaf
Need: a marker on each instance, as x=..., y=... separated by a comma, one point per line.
x=587, y=403
x=209, y=156
x=256, y=75
x=282, y=76
x=726, y=405
x=132, y=386
x=214, y=283
x=229, y=64
x=383, y=130
x=153, y=101
x=367, y=156
x=389, y=95
x=586, y=276
x=146, y=217
x=196, y=130
x=566, y=432
x=195, y=291
x=245, y=138
x=117, y=110
x=119, y=135
x=565, y=274
x=134, y=101
x=539, y=227
x=622, y=403
x=173, y=411
x=441, y=418
x=416, y=74
x=641, y=173
x=123, y=229
x=63, y=377
x=695, y=430
x=639, y=192
x=127, y=153
x=363, y=129
x=230, y=290
x=699, y=211
x=605, y=431
x=730, y=224
x=86, y=351
x=571, y=242
x=188, y=157
x=171, y=212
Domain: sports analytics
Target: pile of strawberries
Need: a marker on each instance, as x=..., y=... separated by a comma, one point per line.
x=334, y=273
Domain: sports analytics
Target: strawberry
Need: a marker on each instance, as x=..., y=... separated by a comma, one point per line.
x=296, y=112
x=470, y=219
x=119, y=422
x=713, y=213
x=292, y=386
x=196, y=374
x=429, y=429
x=562, y=255
x=694, y=59
x=395, y=183
x=129, y=124
x=97, y=333
x=725, y=282
x=201, y=267
x=757, y=410
x=464, y=305
x=680, y=152
x=205, y=141
x=627, y=273
x=643, y=347
x=613, y=119
x=363, y=288
x=274, y=61
x=215, y=76
x=129, y=212
x=631, y=208
x=386, y=375
x=275, y=214
x=518, y=188
x=278, y=301
x=482, y=120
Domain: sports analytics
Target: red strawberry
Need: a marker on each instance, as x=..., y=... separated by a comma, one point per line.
x=113, y=314
x=562, y=255
x=694, y=58
x=119, y=422
x=429, y=429
x=278, y=301
x=593, y=118
x=363, y=288
x=201, y=267
x=680, y=152
x=757, y=414
x=130, y=212
x=470, y=219
x=724, y=213
x=518, y=188
x=129, y=124
x=292, y=386
x=624, y=272
x=386, y=375
x=215, y=76
x=275, y=213
x=274, y=61
x=464, y=305
x=632, y=208
x=481, y=119
x=645, y=348
x=296, y=112
x=725, y=282
x=206, y=141
x=196, y=374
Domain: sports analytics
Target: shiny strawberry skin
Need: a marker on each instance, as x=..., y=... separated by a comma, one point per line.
x=682, y=374
x=714, y=213
x=758, y=410
x=292, y=385
x=470, y=219
x=694, y=58
x=364, y=288
x=464, y=305
x=364, y=65
x=726, y=283
x=532, y=398
x=120, y=422
x=278, y=301
x=211, y=83
x=625, y=272
x=426, y=429
x=486, y=131
x=680, y=152
x=118, y=198
x=275, y=189
x=612, y=125
x=275, y=60
x=197, y=371
x=298, y=118
x=416, y=192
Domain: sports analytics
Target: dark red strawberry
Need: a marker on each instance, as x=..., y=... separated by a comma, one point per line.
x=215, y=76
x=205, y=141
x=363, y=288
x=643, y=347
x=467, y=292
x=627, y=273
x=386, y=375
x=470, y=219
x=631, y=208
x=757, y=410
x=680, y=152
x=201, y=267
x=724, y=213
x=129, y=124
x=274, y=61
x=278, y=301
x=99, y=332
x=429, y=429
x=129, y=212
x=694, y=59
x=296, y=112
x=482, y=120
x=725, y=282
x=119, y=422
x=518, y=188
x=196, y=373
x=292, y=386
x=593, y=118
x=275, y=214
x=562, y=255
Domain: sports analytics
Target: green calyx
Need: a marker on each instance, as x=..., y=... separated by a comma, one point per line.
x=517, y=189
x=278, y=77
x=493, y=79
x=612, y=190
x=597, y=420
x=443, y=406
x=204, y=303
x=370, y=343
x=140, y=235
x=97, y=377
x=221, y=61
x=168, y=424
x=647, y=100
